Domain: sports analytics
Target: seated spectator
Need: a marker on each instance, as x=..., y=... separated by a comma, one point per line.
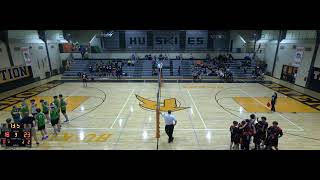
x=109, y=70
x=118, y=73
x=221, y=74
x=154, y=72
x=230, y=57
x=90, y=69
x=104, y=67
x=208, y=57
x=195, y=75
x=247, y=57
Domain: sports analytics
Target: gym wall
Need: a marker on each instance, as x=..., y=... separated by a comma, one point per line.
x=19, y=39
x=121, y=55
x=4, y=59
x=54, y=37
x=237, y=41
x=286, y=55
x=317, y=61
x=38, y=55
x=82, y=36
x=286, y=52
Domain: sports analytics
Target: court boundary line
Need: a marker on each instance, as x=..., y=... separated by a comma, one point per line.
x=120, y=112
x=183, y=96
x=299, y=128
x=204, y=124
x=152, y=129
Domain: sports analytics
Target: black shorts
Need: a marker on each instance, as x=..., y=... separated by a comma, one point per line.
x=235, y=139
x=263, y=137
x=84, y=80
x=54, y=122
x=63, y=111
x=41, y=127
x=232, y=138
x=257, y=139
x=275, y=142
x=272, y=142
x=46, y=113
x=34, y=114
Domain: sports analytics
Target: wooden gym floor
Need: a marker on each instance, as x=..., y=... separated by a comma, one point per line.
x=112, y=116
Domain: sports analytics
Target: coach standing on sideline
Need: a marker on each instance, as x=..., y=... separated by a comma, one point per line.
x=274, y=101
x=170, y=121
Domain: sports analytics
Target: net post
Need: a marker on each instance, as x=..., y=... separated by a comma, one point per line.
x=158, y=109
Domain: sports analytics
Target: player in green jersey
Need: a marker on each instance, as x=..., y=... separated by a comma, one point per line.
x=56, y=102
x=24, y=110
x=45, y=109
x=41, y=122
x=63, y=106
x=54, y=116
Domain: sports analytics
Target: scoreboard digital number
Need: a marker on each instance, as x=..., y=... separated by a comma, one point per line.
x=15, y=135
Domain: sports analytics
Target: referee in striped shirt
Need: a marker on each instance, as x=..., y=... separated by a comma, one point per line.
x=170, y=121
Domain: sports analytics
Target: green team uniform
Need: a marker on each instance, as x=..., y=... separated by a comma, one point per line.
x=45, y=109
x=57, y=103
x=63, y=106
x=24, y=110
x=40, y=117
x=54, y=114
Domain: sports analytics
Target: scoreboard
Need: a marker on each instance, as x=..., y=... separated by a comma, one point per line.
x=15, y=135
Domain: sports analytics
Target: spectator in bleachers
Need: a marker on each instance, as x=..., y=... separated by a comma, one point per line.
x=208, y=57
x=118, y=72
x=191, y=57
x=120, y=64
x=82, y=51
x=109, y=70
x=90, y=68
x=195, y=75
x=154, y=72
x=129, y=62
x=221, y=73
x=230, y=57
x=104, y=69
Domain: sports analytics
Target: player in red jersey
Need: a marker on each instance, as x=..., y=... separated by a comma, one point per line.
x=273, y=134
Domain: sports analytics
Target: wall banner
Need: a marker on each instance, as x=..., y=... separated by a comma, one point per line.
x=298, y=57
x=26, y=56
x=13, y=73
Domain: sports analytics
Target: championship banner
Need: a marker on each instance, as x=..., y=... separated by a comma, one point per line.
x=26, y=56
x=298, y=57
x=13, y=73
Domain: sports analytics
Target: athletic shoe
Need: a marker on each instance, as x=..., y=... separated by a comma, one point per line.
x=66, y=121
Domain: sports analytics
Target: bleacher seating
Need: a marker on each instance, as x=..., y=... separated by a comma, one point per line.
x=143, y=68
